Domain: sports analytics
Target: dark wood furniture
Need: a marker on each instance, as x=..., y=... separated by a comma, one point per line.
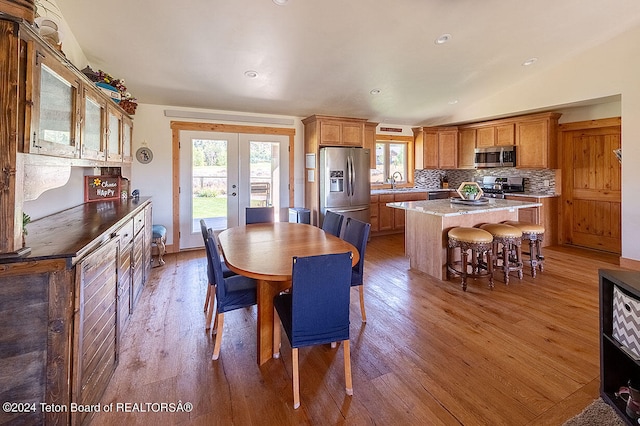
x=265, y=251
x=616, y=365
x=64, y=306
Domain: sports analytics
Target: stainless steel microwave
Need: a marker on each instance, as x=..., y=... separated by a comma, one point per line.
x=495, y=156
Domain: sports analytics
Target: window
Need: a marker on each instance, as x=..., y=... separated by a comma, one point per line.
x=391, y=157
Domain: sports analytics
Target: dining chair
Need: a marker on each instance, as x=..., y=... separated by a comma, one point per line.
x=332, y=223
x=356, y=233
x=232, y=293
x=210, y=298
x=258, y=215
x=316, y=310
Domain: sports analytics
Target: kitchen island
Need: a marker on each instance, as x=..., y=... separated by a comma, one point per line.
x=427, y=224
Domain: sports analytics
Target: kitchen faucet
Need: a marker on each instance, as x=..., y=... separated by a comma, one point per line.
x=393, y=179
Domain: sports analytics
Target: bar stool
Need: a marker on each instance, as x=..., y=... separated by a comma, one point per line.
x=510, y=238
x=480, y=243
x=158, y=241
x=535, y=234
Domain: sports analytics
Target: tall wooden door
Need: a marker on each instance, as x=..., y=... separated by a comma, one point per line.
x=591, y=184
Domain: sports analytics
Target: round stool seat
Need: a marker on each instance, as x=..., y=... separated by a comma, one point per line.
x=526, y=227
x=159, y=231
x=502, y=230
x=470, y=235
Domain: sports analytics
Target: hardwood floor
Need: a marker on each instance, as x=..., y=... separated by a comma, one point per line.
x=523, y=354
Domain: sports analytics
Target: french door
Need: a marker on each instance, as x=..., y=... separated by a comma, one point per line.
x=223, y=173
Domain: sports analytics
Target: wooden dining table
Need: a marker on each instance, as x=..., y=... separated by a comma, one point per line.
x=265, y=251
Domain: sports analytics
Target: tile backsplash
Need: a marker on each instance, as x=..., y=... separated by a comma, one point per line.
x=534, y=179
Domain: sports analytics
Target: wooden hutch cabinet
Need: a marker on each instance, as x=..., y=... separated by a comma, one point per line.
x=66, y=291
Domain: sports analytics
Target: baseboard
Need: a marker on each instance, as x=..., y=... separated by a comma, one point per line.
x=630, y=263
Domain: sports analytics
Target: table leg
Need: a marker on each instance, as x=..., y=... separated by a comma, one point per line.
x=267, y=290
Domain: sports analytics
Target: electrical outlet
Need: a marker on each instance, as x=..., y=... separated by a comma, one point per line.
x=546, y=182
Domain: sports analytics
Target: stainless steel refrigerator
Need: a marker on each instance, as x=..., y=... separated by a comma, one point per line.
x=344, y=182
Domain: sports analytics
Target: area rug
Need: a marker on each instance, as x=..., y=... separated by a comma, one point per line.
x=597, y=413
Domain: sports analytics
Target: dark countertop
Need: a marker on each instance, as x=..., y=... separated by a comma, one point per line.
x=73, y=232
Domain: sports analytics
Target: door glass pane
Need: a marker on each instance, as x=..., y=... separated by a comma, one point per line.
x=56, y=107
x=209, y=177
x=264, y=173
x=92, y=125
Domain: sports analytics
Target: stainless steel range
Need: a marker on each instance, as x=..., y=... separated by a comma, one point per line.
x=496, y=187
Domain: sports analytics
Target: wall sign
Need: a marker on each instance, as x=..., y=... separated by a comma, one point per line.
x=100, y=188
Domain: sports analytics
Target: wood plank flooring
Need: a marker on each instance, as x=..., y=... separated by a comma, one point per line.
x=522, y=354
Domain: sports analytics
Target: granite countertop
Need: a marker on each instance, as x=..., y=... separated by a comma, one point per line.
x=447, y=208
x=412, y=190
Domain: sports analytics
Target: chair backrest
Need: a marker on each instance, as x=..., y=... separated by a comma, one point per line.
x=332, y=223
x=320, y=289
x=356, y=233
x=205, y=235
x=258, y=215
x=214, y=260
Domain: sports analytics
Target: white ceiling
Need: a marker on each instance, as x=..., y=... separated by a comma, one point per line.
x=325, y=56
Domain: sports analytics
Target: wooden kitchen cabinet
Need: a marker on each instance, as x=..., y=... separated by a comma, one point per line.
x=485, y=137
x=337, y=131
x=506, y=134
x=63, y=305
x=388, y=219
x=466, y=148
x=370, y=141
x=385, y=213
x=127, y=139
x=373, y=216
x=499, y=133
x=536, y=137
x=436, y=147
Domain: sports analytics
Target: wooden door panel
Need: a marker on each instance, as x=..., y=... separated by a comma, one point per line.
x=592, y=192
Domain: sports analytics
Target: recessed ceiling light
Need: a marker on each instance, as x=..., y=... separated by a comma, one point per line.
x=251, y=74
x=375, y=91
x=529, y=61
x=453, y=101
x=281, y=2
x=443, y=39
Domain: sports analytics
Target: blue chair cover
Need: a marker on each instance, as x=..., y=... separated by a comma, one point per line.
x=357, y=233
x=259, y=215
x=316, y=311
x=233, y=292
x=226, y=272
x=332, y=223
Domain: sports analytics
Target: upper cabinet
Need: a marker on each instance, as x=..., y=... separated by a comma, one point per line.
x=55, y=108
x=466, y=148
x=536, y=141
x=495, y=134
x=370, y=142
x=337, y=131
x=436, y=147
x=64, y=114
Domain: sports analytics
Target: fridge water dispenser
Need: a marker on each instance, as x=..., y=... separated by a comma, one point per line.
x=336, y=181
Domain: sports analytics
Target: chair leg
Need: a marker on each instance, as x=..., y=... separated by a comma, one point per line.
x=211, y=305
x=276, y=334
x=206, y=298
x=347, y=367
x=216, y=347
x=296, y=378
x=364, y=314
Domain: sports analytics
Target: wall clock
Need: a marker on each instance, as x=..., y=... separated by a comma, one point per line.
x=144, y=155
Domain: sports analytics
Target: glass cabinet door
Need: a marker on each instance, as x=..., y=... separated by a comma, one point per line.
x=55, y=115
x=127, y=131
x=114, y=134
x=93, y=128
